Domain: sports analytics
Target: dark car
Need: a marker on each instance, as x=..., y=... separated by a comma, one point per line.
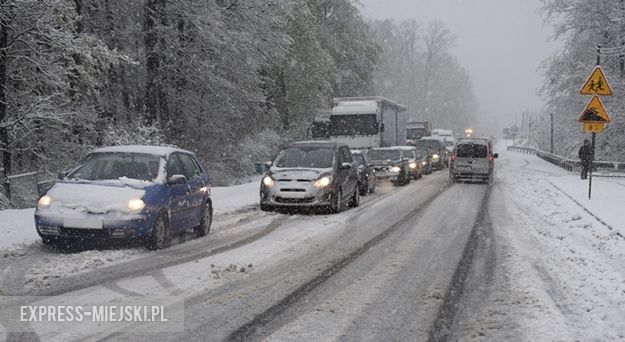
x=436, y=151
x=311, y=174
x=366, y=173
x=426, y=160
x=414, y=162
x=122, y=192
x=390, y=163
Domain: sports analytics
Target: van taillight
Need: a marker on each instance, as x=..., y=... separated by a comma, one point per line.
x=490, y=158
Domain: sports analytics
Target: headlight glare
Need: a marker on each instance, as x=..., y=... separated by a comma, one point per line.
x=136, y=205
x=424, y=163
x=268, y=181
x=323, y=182
x=44, y=202
x=413, y=165
x=435, y=156
x=395, y=169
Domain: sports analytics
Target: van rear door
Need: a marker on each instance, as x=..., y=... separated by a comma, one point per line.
x=472, y=158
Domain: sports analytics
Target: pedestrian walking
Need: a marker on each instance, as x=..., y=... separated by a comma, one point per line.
x=585, y=154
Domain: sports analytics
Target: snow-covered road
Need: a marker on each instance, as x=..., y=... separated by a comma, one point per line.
x=559, y=273
x=526, y=259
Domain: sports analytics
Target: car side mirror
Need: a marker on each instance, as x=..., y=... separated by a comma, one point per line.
x=346, y=166
x=496, y=155
x=267, y=165
x=177, y=179
x=62, y=174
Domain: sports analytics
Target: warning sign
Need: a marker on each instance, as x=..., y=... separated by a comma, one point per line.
x=594, y=112
x=596, y=84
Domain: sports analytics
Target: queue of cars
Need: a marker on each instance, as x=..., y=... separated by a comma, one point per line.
x=151, y=193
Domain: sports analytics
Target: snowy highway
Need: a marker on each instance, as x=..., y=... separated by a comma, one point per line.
x=431, y=261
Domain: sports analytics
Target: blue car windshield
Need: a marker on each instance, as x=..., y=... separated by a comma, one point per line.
x=116, y=165
x=318, y=158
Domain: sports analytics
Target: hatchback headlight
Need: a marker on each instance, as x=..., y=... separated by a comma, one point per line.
x=268, y=181
x=395, y=169
x=435, y=156
x=44, y=202
x=323, y=182
x=413, y=165
x=136, y=205
x=424, y=163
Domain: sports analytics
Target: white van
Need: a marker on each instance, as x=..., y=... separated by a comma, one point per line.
x=472, y=160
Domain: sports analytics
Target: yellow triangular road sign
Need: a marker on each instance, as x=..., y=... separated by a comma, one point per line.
x=594, y=112
x=596, y=84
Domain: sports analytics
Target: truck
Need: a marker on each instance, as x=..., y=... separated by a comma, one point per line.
x=415, y=130
x=365, y=122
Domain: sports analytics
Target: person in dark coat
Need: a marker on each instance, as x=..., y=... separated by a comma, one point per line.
x=585, y=155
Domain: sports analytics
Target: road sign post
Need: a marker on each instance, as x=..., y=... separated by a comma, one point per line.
x=594, y=117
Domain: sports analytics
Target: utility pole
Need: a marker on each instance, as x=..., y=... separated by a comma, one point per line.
x=551, y=115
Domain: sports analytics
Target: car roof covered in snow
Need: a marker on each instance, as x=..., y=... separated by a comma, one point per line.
x=407, y=148
x=387, y=148
x=317, y=144
x=144, y=149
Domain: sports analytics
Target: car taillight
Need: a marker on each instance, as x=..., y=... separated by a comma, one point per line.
x=490, y=158
x=453, y=157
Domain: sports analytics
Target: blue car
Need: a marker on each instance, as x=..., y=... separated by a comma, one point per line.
x=127, y=192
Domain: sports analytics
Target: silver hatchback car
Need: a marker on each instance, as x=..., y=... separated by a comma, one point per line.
x=472, y=160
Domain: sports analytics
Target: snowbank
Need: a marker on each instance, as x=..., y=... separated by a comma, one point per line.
x=17, y=227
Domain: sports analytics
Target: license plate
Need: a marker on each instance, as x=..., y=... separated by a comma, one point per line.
x=463, y=167
x=82, y=223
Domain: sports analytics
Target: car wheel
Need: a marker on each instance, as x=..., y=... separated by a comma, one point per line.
x=205, y=224
x=363, y=188
x=159, y=236
x=355, y=202
x=337, y=203
x=264, y=207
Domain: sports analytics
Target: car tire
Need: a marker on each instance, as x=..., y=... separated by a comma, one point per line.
x=264, y=207
x=355, y=202
x=159, y=236
x=207, y=219
x=337, y=203
x=363, y=188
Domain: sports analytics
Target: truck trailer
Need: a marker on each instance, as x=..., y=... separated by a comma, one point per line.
x=364, y=122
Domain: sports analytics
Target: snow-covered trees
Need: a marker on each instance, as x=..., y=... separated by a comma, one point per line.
x=208, y=76
x=419, y=70
x=582, y=25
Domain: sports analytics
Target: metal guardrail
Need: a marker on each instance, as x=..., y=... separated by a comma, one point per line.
x=571, y=164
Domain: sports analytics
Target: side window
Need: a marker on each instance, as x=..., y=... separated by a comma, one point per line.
x=189, y=167
x=173, y=166
x=347, y=155
x=341, y=156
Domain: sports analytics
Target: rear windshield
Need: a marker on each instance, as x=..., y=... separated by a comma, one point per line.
x=471, y=151
x=359, y=158
x=429, y=144
x=384, y=155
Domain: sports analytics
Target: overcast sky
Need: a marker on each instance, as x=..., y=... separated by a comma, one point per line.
x=501, y=43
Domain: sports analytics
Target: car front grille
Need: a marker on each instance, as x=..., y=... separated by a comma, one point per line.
x=295, y=200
